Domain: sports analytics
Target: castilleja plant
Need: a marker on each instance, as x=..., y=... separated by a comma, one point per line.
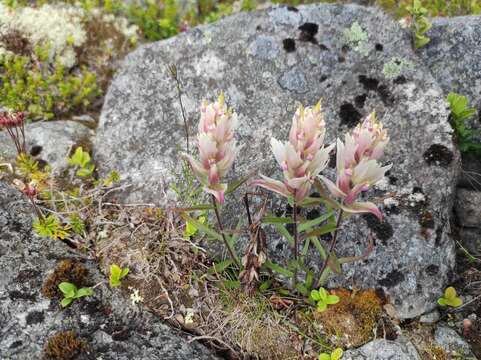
x=303, y=158
x=217, y=152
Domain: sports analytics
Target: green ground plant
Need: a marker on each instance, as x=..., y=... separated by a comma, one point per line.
x=420, y=24
x=335, y=355
x=117, y=274
x=323, y=299
x=82, y=162
x=450, y=298
x=71, y=292
x=461, y=113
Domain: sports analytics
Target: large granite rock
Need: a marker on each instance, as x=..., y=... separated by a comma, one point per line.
x=111, y=327
x=453, y=55
x=384, y=350
x=266, y=62
x=50, y=141
x=452, y=342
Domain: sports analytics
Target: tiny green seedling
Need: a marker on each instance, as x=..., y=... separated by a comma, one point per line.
x=191, y=229
x=335, y=355
x=70, y=292
x=82, y=160
x=450, y=298
x=322, y=298
x=420, y=24
x=117, y=274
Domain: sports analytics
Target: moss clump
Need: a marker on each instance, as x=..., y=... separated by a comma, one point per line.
x=66, y=270
x=354, y=318
x=64, y=345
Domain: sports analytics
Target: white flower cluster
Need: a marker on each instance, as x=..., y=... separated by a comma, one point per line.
x=58, y=26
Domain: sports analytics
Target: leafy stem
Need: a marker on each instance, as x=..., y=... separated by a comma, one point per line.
x=221, y=228
x=296, y=244
x=331, y=246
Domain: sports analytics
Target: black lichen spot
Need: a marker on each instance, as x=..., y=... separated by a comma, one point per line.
x=349, y=115
x=16, y=344
x=258, y=28
x=427, y=220
x=323, y=78
x=289, y=45
x=417, y=190
x=42, y=164
x=439, y=235
x=332, y=159
x=308, y=31
x=401, y=79
x=385, y=94
x=292, y=8
x=379, y=47
x=382, y=229
x=368, y=83
x=323, y=47
x=439, y=155
x=392, y=279
x=35, y=150
x=392, y=180
x=432, y=270
x=35, y=317
x=360, y=100
x=16, y=295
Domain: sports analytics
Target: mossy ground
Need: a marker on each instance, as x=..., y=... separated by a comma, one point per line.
x=64, y=345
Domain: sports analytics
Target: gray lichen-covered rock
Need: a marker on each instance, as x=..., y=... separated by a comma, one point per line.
x=49, y=141
x=471, y=240
x=266, y=62
x=111, y=327
x=468, y=208
x=451, y=342
x=383, y=350
x=453, y=55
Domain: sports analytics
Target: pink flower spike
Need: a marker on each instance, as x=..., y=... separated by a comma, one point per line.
x=363, y=207
x=272, y=185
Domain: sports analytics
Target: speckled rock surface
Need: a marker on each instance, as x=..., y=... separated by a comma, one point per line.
x=451, y=341
x=453, y=55
x=141, y=129
x=383, y=350
x=468, y=208
x=50, y=141
x=107, y=322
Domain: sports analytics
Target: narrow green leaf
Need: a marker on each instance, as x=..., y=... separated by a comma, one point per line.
x=234, y=185
x=66, y=301
x=307, y=225
x=231, y=284
x=276, y=220
x=220, y=267
x=281, y=229
x=265, y=285
x=278, y=269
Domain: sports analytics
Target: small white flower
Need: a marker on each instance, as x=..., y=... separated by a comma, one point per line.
x=135, y=296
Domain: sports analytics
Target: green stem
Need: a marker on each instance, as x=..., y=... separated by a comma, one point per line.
x=296, y=245
x=331, y=249
x=221, y=227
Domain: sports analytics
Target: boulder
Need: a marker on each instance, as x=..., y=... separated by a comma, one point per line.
x=453, y=55
x=107, y=324
x=384, y=350
x=468, y=208
x=50, y=141
x=266, y=63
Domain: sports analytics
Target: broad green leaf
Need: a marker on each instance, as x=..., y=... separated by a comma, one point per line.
x=324, y=356
x=442, y=301
x=202, y=227
x=220, y=266
x=456, y=302
x=323, y=294
x=265, y=285
x=315, y=295
x=332, y=299
x=334, y=264
x=84, y=292
x=68, y=289
x=337, y=354
x=66, y=301
x=115, y=271
x=450, y=293
x=321, y=306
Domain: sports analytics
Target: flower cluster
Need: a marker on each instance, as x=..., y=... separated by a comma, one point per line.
x=303, y=157
x=357, y=167
x=216, y=145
